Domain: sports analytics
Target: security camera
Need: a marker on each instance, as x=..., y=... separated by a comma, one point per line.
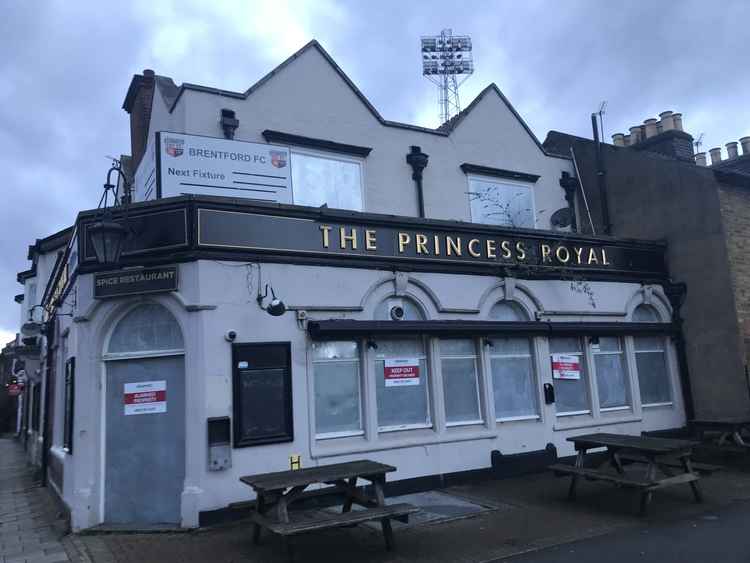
x=397, y=313
x=230, y=335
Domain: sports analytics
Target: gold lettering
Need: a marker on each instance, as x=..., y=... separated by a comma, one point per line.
x=421, y=242
x=453, y=246
x=520, y=251
x=326, y=229
x=593, y=258
x=559, y=254
x=491, y=248
x=437, y=245
x=370, y=241
x=546, y=252
x=351, y=238
x=472, y=243
x=403, y=240
x=505, y=245
x=578, y=251
x=604, y=258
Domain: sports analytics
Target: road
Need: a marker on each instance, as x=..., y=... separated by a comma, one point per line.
x=721, y=537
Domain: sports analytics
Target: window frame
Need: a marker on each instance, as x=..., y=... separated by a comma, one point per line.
x=623, y=353
x=429, y=382
x=667, y=373
x=304, y=151
x=360, y=390
x=478, y=377
x=589, y=387
x=500, y=181
x=535, y=376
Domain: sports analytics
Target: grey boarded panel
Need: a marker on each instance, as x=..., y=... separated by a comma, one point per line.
x=145, y=453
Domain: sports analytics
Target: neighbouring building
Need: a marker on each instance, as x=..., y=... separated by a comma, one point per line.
x=304, y=279
x=657, y=189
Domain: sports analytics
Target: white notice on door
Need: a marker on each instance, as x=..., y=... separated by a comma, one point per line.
x=145, y=397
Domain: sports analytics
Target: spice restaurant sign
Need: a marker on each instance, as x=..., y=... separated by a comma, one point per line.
x=278, y=234
x=135, y=282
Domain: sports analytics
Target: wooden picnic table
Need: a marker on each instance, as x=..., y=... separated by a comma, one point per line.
x=728, y=430
x=667, y=462
x=276, y=491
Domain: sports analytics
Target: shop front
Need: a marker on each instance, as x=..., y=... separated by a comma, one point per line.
x=236, y=338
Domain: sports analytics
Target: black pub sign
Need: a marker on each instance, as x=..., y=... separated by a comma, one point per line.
x=135, y=281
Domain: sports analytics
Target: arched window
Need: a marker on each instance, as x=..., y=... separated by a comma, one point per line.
x=508, y=311
x=512, y=367
x=146, y=328
x=412, y=311
x=651, y=361
x=646, y=314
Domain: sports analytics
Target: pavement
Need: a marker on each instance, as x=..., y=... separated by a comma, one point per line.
x=527, y=519
x=31, y=523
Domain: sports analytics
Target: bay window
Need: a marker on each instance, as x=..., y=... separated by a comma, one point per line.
x=335, y=181
x=458, y=361
x=401, y=379
x=612, y=384
x=570, y=377
x=651, y=362
x=337, y=382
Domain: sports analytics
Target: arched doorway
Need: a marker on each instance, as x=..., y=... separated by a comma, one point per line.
x=145, y=418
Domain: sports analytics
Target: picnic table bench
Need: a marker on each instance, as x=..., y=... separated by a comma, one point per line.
x=276, y=491
x=667, y=462
x=728, y=430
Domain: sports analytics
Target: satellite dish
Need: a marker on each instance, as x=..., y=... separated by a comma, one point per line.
x=561, y=218
x=31, y=329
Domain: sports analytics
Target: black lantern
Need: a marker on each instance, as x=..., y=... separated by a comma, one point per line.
x=107, y=238
x=276, y=307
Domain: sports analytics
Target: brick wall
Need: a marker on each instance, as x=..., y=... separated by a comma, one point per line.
x=140, y=117
x=735, y=210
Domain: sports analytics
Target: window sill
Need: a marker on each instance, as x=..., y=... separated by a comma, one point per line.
x=518, y=418
x=464, y=423
x=334, y=435
x=572, y=413
x=595, y=422
x=615, y=409
x=409, y=439
x=657, y=405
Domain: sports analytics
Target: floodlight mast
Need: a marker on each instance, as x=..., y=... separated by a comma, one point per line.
x=447, y=62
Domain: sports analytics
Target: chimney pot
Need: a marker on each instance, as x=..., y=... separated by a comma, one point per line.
x=732, y=150
x=626, y=140
x=715, y=155
x=650, y=127
x=635, y=134
x=667, y=121
x=745, y=142
x=618, y=139
x=677, y=121
x=700, y=159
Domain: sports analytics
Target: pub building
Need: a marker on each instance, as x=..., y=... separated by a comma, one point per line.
x=290, y=278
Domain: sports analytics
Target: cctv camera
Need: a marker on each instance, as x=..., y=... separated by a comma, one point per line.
x=397, y=313
x=230, y=336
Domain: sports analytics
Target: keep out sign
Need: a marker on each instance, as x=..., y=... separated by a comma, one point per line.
x=401, y=371
x=145, y=397
x=566, y=366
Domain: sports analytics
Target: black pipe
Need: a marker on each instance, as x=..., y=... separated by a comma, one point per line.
x=600, y=177
x=676, y=293
x=418, y=162
x=46, y=425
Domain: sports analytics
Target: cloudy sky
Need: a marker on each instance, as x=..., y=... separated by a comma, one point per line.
x=65, y=68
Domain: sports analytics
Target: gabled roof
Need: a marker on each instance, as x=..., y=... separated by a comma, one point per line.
x=174, y=93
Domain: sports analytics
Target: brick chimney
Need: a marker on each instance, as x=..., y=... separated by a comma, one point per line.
x=138, y=103
x=664, y=136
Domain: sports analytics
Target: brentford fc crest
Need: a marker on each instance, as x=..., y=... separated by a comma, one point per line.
x=278, y=159
x=174, y=147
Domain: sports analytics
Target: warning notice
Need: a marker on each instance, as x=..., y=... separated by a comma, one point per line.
x=401, y=371
x=566, y=366
x=145, y=397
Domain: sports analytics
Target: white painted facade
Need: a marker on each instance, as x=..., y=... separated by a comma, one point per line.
x=309, y=97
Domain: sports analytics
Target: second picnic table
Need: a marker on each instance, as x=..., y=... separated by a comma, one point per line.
x=667, y=462
x=276, y=491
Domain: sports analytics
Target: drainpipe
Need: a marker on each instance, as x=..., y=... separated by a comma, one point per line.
x=600, y=177
x=45, y=425
x=570, y=185
x=418, y=162
x=676, y=293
